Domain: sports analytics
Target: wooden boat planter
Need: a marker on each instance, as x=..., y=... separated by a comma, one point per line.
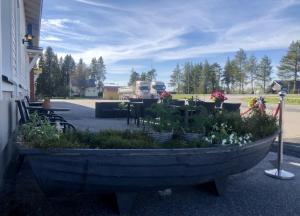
x=128, y=171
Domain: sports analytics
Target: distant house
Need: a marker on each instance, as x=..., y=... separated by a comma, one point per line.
x=90, y=89
x=110, y=92
x=288, y=85
x=19, y=50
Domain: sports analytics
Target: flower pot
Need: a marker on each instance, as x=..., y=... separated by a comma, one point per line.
x=46, y=104
x=218, y=104
x=191, y=136
x=161, y=137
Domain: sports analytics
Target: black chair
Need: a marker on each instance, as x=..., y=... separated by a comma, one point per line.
x=209, y=106
x=109, y=110
x=135, y=100
x=231, y=107
x=36, y=103
x=25, y=118
x=147, y=104
x=52, y=117
x=177, y=102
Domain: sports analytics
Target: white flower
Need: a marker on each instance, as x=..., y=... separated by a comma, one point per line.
x=213, y=136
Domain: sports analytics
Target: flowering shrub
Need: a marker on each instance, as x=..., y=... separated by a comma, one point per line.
x=165, y=95
x=218, y=96
x=257, y=104
x=224, y=135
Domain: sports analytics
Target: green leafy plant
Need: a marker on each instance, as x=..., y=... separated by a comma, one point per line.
x=220, y=128
x=39, y=132
x=164, y=118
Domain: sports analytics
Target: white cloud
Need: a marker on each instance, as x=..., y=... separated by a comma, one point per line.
x=155, y=30
x=51, y=38
x=98, y=4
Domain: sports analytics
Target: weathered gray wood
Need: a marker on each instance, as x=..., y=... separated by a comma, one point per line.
x=132, y=170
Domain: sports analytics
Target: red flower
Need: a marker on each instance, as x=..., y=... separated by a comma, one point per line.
x=165, y=94
x=218, y=96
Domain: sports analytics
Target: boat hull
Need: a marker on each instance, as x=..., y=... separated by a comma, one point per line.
x=125, y=171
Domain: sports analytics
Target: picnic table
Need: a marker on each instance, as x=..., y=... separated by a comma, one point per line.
x=46, y=111
x=50, y=109
x=35, y=103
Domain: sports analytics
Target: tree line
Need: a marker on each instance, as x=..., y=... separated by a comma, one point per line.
x=239, y=75
x=144, y=76
x=58, y=74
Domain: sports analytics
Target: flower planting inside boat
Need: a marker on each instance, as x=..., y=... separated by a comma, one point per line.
x=166, y=129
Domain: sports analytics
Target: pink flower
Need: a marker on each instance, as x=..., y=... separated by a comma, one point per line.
x=218, y=96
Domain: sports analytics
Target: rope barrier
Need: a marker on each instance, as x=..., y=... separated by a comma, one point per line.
x=275, y=113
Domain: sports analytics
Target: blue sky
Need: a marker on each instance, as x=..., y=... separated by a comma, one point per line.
x=142, y=34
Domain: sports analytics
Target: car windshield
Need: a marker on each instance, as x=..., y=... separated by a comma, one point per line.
x=159, y=87
x=144, y=88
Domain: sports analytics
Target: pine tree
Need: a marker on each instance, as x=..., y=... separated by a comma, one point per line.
x=196, y=74
x=252, y=70
x=176, y=79
x=143, y=76
x=187, y=78
x=151, y=75
x=94, y=68
x=68, y=69
x=101, y=72
x=241, y=75
x=264, y=72
x=214, y=76
x=50, y=78
x=229, y=74
x=80, y=76
x=134, y=76
x=205, y=78
x=290, y=64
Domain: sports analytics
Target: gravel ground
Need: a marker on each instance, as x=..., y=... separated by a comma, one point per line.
x=248, y=193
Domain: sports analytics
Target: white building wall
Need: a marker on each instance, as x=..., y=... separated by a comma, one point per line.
x=13, y=59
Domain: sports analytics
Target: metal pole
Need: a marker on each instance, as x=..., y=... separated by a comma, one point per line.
x=280, y=141
x=69, y=86
x=279, y=173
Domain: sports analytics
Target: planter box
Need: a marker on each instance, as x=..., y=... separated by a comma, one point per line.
x=191, y=136
x=109, y=110
x=127, y=171
x=161, y=137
